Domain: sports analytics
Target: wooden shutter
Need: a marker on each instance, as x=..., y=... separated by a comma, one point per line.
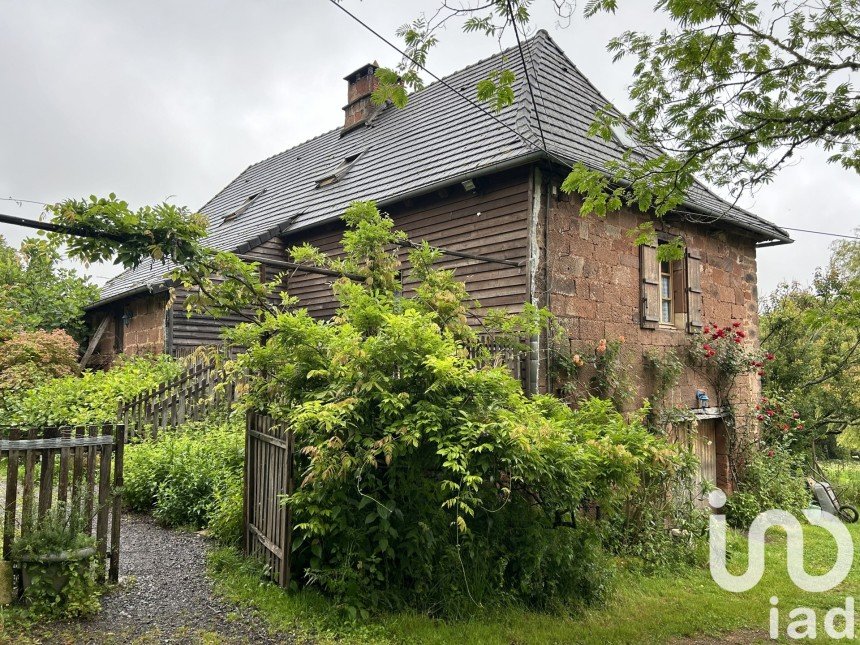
x=649, y=268
x=695, y=313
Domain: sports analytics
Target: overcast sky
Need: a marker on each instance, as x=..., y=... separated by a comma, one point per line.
x=172, y=99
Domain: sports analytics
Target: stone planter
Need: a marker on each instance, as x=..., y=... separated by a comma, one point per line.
x=52, y=563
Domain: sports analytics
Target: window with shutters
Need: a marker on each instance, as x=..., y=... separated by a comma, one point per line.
x=671, y=291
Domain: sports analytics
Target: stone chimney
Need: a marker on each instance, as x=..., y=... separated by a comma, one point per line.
x=359, y=107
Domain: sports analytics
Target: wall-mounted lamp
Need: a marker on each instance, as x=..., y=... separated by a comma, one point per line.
x=127, y=316
x=468, y=186
x=702, y=398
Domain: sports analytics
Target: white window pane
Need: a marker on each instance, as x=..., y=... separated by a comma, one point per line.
x=666, y=314
x=665, y=286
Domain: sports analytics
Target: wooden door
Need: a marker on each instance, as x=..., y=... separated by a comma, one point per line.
x=705, y=447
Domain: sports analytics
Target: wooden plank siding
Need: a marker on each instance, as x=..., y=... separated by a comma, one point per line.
x=492, y=222
x=189, y=332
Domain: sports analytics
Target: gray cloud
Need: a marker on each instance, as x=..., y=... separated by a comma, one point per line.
x=159, y=99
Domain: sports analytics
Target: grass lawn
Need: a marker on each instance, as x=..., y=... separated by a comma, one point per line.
x=653, y=609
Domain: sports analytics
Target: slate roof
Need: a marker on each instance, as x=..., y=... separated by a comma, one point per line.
x=437, y=138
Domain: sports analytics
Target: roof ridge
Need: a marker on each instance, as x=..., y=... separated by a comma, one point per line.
x=426, y=87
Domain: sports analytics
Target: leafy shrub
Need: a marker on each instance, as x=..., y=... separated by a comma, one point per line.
x=779, y=423
x=428, y=479
x=61, y=529
x=660, y=525
x=36, y=293
x=188, y=477
x=93, y=397
x=771, y=478
x=225, y=519
x=28, y=359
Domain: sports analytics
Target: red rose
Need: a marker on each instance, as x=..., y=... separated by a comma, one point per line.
x=736, y=323
x=770, y=413
x=770, y=453
x=770, y=357
x=796, y=415
x=706, y=330
x=760, y=417
x=800, y=426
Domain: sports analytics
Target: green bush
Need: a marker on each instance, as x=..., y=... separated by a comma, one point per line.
x=93, y=397
x=772, y=478
x=61, y=530
x=225, y=519
x=190, y=477
x=427, y=478
x=30, y=358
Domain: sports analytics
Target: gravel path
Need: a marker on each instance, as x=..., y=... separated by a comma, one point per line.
x=164, y=596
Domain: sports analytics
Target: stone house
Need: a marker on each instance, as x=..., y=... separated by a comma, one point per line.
x=483, y=187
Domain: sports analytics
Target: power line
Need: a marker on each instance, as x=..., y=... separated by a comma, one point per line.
x=526, y=72
x=806, y=230
x=22, y=201
x=531, y=92
x=9, y=219
x=442, y=81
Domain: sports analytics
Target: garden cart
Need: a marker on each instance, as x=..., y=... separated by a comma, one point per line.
x=827, y=498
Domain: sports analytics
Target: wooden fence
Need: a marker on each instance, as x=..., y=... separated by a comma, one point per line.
x=81, y=465
x=200, y=390
x=516, y=360
x=268, y=476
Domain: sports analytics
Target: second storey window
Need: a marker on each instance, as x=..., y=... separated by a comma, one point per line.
x=671, y=292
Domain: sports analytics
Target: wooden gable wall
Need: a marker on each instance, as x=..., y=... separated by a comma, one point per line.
x=492, y=222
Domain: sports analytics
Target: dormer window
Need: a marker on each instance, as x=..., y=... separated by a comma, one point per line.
x=338, y=172
x=244, y=207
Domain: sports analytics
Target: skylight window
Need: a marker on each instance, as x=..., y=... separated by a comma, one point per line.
x=338, y=172
x=622, y=136
x=244, y=207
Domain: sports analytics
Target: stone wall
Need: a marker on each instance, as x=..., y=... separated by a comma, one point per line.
x=592, y=285
x=144, y=334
